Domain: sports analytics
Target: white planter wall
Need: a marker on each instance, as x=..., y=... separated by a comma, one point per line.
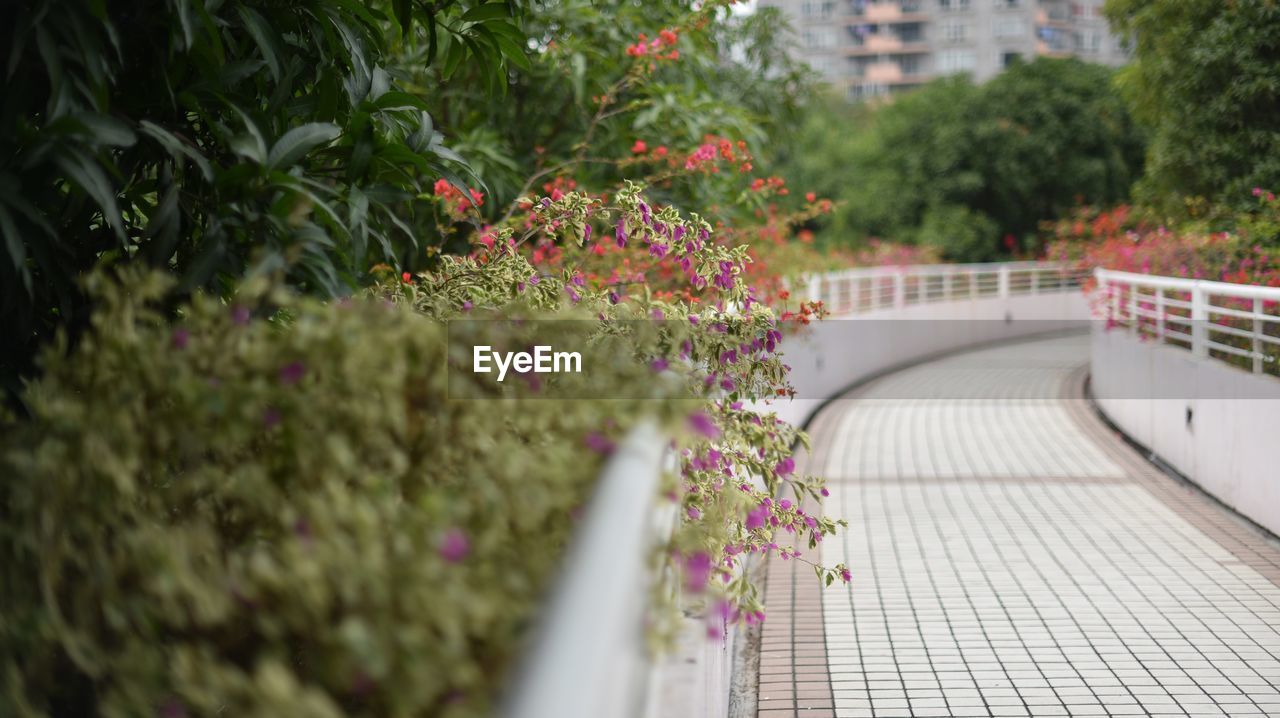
x=1229, y=446
x=842, y=351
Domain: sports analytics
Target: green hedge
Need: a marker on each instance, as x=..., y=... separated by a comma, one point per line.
x=263, y=509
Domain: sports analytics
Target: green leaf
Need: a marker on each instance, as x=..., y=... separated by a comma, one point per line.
x=252, y=146
x=431, y=38
x=404, y=15
x=400, y=101
x=89, y=177
x=296, y=143
x=176, y=147
x=12, y=240
x=488, y=11
x=453, y=56
x=380, y=84
x=97, y=129
x=512, y=50
x=264, y=36
x=184, y=19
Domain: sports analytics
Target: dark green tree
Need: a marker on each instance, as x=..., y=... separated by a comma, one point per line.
x=992, y=160
x=1206, y=79
x=215, y=139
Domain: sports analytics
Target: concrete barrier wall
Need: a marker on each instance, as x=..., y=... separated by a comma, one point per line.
x=1212, y=422
x=842, y=351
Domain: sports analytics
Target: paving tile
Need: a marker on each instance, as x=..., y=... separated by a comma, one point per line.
x=1012, y=557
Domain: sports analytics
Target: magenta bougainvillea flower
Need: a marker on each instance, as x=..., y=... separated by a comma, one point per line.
x=292, y=373
x=697, y=571
x=703, y=425
x=454, y=545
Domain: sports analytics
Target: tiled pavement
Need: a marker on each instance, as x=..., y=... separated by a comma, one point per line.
x=1013, y=557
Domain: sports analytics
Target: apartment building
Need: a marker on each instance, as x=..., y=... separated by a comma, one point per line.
x=871, y=48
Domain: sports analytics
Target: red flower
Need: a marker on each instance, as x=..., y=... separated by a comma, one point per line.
x=810, y=197
x=639, y=148
x=406, y=277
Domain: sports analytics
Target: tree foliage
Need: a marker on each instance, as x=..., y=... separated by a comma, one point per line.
x=991, y=160
x=1206, y=79
x=219, y=139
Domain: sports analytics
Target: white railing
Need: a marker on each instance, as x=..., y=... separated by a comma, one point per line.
x=1235, y=323
x=864, y=289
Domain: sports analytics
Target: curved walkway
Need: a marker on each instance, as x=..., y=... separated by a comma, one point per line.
x=1013, y=557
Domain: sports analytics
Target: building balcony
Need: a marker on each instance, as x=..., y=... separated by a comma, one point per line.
x=879, y=45
x=896, y=17
x=890, y=73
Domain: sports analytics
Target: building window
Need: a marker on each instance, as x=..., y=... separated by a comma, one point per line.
x=825, y=65
x=819, y=37
x=955, y=31
x=949, y=5
x=957, y=61
x=1010, y=58
x=910, y=64
x=858, y=33
x=817, y=8
x=1008, y=4
x=1009, y=27
x=911, y=32
x=912, y=6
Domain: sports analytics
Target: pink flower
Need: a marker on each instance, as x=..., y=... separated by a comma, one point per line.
x=703, y=425
x=180, y=338
x=292, y=373
x=785, y=467
x=756, y=518
x=697, y=571
x=454, y=545
x=598, y=443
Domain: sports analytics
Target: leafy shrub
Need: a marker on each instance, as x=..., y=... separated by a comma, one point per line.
x=275, y=516
x=283, y=511
x=1127, y=240
x=279, y=506
x=958, y=233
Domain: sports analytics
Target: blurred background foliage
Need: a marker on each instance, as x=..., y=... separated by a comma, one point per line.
x=1205, y=78
x=1184, y=132
x=971, y=170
